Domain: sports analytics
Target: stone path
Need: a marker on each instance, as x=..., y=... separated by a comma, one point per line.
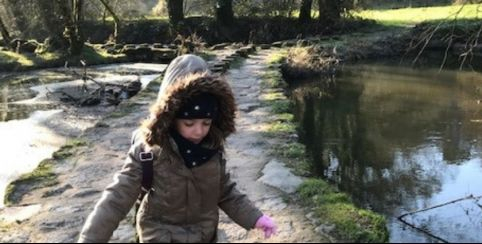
x=60, y=211
x=247, y=154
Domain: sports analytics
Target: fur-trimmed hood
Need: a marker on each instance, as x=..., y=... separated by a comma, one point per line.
x=173, y=97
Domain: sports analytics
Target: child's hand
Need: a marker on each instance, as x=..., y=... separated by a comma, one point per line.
x=267, y=225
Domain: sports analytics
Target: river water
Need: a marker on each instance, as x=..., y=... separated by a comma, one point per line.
x=401, y=140
x=33, y=124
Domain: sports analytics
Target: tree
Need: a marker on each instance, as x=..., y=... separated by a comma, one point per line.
x=224, y=11
x=175, y=11
x=305, y=11
x=51, y=20
x=329, y=11
x=16, y=13
x=116, y=19
x=5, y=34
x=72, y=18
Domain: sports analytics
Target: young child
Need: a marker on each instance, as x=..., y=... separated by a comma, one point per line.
x=186, y=132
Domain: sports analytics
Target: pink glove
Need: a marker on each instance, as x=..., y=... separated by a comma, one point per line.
x=267, y=225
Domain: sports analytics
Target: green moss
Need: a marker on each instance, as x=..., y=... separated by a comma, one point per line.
x=281, y=106
x=272, y=96
x=293, y=150
x=280, y=128
x=42, y=176
x=272, y=79
x=278, y=57
x=68, y=149
x=92, y=55
x=334, y=207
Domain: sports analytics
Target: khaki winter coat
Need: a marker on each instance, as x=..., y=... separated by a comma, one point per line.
x=183, y=203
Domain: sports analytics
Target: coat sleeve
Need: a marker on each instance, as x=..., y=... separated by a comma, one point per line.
x=235, y=204
x=115, y=202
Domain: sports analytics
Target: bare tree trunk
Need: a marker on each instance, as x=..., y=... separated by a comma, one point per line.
x=5, y=34
x=15, y=10
x=224, y=11
x=54, y=25
x=329, y=11
x=305, y=11
x=175, y=11
x=116, y=20
x=72, y=18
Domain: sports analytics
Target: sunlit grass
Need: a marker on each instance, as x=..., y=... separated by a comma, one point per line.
x=9, y=57
x=410, y=16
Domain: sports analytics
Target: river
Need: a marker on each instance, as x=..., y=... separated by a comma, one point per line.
x=400, y=140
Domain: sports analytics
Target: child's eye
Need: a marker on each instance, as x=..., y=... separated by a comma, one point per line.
x=188, y=124
x=207, y=122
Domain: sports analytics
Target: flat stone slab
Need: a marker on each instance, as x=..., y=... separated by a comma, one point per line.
x=277, y=175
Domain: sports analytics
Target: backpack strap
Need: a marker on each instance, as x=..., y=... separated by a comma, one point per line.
x=147, y=160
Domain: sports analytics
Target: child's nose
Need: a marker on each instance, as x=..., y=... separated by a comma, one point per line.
x=198, y=130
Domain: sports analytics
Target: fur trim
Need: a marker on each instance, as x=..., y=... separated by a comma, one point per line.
x=163, y=112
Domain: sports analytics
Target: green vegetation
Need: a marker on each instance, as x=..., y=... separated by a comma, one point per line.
x=42, y=176
x=23, y=61
x=7, y=57
x=68, y=149
x=277, y=58
x=98, y=56
x=411, y=16
x=272, y=79
x=330, y=206
x=334, y=207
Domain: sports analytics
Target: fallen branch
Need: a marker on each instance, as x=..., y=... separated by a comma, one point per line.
x=436, y=206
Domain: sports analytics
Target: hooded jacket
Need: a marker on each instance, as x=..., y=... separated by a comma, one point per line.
x=182, y=205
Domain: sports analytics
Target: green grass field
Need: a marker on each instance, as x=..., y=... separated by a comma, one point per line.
x=411, y=16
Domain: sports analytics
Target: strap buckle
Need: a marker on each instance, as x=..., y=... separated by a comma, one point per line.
x=146, y=156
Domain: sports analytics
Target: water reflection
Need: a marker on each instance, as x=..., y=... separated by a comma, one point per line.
x=397, y=139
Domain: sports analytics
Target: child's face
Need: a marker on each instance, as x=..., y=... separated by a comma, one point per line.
x=193, y=130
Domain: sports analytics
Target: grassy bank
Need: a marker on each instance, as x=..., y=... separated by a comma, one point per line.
x=12, y=62
x=411, y=16
x=331, y=207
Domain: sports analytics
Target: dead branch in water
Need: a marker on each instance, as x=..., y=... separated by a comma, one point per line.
x=433, y=207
